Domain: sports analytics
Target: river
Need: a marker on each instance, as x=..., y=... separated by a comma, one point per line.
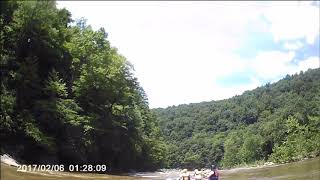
x=307, y=170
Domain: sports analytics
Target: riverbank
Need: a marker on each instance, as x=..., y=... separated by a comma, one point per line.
x=305, y=169
x=10, y=161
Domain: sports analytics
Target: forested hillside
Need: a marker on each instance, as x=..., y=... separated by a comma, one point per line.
x=67, y=96
x=279, y=122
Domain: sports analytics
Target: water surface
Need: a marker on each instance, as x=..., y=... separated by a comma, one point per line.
x=306, y=170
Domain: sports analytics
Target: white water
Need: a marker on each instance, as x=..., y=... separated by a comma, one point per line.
x=7, y=159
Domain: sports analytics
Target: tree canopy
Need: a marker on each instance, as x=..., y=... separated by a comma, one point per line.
x=276, y=122
x=68, y=96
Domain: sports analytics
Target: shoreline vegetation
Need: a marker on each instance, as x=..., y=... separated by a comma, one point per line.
x=278, y=122
x=69, y=97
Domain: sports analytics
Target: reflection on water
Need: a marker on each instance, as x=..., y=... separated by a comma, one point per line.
x=307, y=170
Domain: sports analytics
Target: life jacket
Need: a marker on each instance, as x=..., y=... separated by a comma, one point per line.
x=186, y=177
x=214, y=176
x=197, y=177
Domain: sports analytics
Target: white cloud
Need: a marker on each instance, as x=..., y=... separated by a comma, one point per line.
x=235, y=90
x=293, y=46
x=272, y=64
x=293, y=20
x=311, y=62
x=180, y=49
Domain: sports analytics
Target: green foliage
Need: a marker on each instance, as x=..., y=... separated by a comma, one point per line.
x=68, y=95
x=302, y=141
x=278, y=122
x=55, y=86
x=7, y=100
x=232, y=146
x=191, y=160
x=251, y=149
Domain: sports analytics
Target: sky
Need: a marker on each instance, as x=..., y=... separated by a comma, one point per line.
x=190, y=51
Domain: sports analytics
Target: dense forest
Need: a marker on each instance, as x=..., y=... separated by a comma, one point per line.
x=67, y=96
x=278, y=122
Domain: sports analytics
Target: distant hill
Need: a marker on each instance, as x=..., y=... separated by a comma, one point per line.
x=278, y=122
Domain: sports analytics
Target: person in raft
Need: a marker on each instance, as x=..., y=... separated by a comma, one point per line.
x=197, y=174
x=185, y=175
x=214, y=174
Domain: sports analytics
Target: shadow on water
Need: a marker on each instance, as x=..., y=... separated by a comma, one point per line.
x=306, y=170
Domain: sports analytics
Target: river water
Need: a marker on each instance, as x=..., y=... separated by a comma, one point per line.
x=306, y=170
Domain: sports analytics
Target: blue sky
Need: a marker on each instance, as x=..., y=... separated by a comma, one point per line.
x=187, y=52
